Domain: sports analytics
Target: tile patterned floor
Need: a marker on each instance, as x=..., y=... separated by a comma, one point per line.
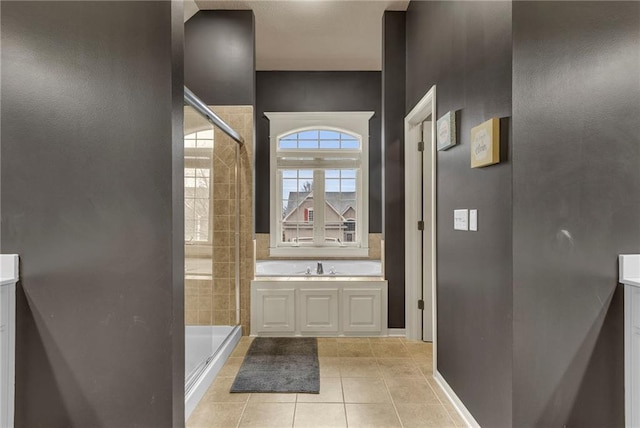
x=364, y=382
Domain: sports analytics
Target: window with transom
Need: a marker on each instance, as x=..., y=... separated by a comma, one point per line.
x=319, y=183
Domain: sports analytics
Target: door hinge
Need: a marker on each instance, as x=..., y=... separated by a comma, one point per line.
x=421, y=304
x=421, y=146
x=421, y=225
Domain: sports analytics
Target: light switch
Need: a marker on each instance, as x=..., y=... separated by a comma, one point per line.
x=461, y=219
x=473, y=220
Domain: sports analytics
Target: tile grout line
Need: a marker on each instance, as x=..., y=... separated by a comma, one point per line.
x=243, y=410
x=436, y=394
x=295, y=408
x=344, y=401
x=393, y=403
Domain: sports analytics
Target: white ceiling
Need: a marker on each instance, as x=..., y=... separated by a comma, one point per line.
x=315, y=34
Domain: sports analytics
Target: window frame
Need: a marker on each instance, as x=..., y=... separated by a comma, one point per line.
x=356, y=124
x=200, y=157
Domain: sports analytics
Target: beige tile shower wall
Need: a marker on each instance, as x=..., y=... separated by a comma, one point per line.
x=239, y=118
x=262, y=248
x=198, y=301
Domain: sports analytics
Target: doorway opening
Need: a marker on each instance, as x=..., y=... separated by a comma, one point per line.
x=420, y=221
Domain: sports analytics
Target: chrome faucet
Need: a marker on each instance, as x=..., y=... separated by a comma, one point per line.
x=319, y=269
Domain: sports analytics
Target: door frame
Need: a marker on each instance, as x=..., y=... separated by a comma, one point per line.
x=413, y=179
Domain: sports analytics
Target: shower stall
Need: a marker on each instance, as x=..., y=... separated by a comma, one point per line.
x=212, y=252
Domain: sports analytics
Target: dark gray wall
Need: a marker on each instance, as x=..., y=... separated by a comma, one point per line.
x=576, y=184
x=465, y=49
x=317, y=91
x=393, y=106
x=91, y=138
x=219, y=56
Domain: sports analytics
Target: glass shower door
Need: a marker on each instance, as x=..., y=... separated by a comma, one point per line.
x=198, y=231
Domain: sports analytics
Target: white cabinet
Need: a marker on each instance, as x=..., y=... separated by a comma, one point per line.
x=319, y=307
x=8, y=279
x=274, y=310
x=630, y=277
x=318, y=310
x=361, y=309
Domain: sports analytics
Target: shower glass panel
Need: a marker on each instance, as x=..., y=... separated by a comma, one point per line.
x=209, y=248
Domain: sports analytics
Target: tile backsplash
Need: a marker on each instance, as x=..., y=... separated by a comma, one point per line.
x=262, y=248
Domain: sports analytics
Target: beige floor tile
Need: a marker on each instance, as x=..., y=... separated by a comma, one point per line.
x=231, y=367
x=371, y=415
x=438, y=391
x=327, y=339
x=424, y=415
x=241, y=349
x=330, y=392
x=359, y=367
x=385, y=339
x=272, y=398
x=354, y=349
x=219, y=392
x=327, y=349
x=398, y=367
x=426, y=367
x=329, y=366
x=389, y=350
x=246, y=339
x=365, y=390
x=268, y=415
x=223, y=415
x=410, y=390
x=455, y=416
x=352, y=339
x=319, y=415
x=420, y=350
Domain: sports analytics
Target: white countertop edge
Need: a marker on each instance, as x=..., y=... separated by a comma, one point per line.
x=629, y=269
x=9, y=270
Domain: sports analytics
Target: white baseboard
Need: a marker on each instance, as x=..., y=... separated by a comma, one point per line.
x=396, y=332
x=455, y=400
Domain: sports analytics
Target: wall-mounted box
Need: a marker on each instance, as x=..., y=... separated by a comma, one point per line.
x=461, y=219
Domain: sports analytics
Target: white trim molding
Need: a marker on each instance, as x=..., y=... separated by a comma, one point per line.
x=462, y=410
x=415, y=270
x=396, y=332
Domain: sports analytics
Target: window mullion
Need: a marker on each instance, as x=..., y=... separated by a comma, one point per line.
x=318, y=207
x=280, y=208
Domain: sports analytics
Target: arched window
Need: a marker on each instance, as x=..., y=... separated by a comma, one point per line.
x=319, y=183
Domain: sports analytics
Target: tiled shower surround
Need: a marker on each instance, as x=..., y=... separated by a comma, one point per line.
x=211, y=301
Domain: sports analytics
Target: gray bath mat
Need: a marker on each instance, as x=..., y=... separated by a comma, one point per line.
x=280, y=364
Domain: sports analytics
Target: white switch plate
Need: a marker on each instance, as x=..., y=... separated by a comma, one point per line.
x=461, y=219
x=473, y=220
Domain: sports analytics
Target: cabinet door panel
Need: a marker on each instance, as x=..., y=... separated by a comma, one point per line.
x=361, y=309
x=318, y=310
x=276, y=310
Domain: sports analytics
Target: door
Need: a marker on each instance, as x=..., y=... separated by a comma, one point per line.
x=426, y=245
x=419, y=180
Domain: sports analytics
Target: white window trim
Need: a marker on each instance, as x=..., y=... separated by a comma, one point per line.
x=195, y=152
x=284, y=123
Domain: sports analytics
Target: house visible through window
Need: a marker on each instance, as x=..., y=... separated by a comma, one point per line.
x=198, y=187
x=321, y=187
